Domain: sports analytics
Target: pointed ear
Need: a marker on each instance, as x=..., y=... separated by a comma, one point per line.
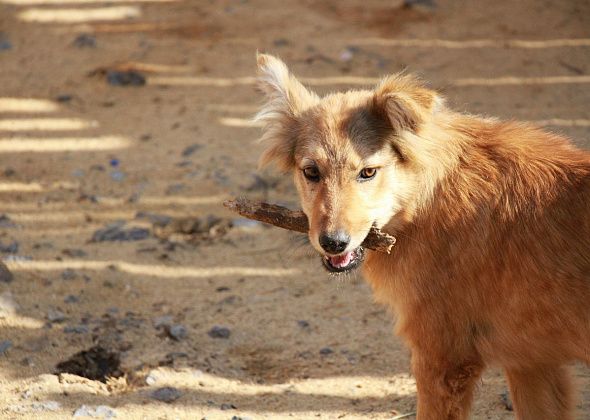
x=287, y=98
x=405, y=102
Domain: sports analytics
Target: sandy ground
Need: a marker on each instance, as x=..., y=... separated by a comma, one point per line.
x=78, y=154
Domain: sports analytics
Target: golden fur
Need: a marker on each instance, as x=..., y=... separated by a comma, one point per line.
x=492, y=263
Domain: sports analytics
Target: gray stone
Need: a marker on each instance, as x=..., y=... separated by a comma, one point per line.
x=54, y=315
x=177, y=332
x=116, y=232
x=219, y=332
x=76, y=329
x=45, y=406
x=4, y=346
x=166, y=394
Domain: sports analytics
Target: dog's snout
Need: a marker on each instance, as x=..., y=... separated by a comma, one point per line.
x=334, y=242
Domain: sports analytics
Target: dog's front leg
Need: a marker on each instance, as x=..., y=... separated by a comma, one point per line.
x=445, y=384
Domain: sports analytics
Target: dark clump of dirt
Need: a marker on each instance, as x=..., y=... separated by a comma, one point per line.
x=96, y=364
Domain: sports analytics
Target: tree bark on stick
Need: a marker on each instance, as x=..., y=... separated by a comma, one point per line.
x=297, y=221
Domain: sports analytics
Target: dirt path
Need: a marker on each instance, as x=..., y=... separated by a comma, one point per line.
x=240, y=322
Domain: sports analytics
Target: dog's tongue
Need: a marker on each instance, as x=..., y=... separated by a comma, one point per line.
x=341, y=260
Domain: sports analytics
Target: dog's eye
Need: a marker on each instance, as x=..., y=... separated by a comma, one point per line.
x=312, y=173
x=367, y=174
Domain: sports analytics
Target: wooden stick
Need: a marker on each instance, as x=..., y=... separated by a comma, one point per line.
x=296, y=220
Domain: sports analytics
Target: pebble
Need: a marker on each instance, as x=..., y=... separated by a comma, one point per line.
x=5, y=43
x=280, y=42
x=125, y=78
x=151, y=379
x=116, y=232
x=101, y=411
x=226, y=406
x=85, y=41
x=166, y=394
x=71, y=299
x=68, y=274
x=4, y=346
x=219, y=332
x=76, y=329
x=5, y=275
x=45, y=406
x=189, y=150
x=177, y=332
x=54, y=315
x=64, y=97
x=11, y=248
x=303, y=323
x=325, y=351
x=5, y=222
x=8, y=305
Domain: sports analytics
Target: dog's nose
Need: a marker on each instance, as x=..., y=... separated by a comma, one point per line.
x=334, y=242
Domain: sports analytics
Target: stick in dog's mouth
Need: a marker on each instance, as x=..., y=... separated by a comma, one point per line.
x=297, y=221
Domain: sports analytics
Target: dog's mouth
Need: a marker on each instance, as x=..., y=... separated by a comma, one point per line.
x=344, y=262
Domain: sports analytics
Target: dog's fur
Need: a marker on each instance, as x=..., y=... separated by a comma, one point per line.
x=492, y=263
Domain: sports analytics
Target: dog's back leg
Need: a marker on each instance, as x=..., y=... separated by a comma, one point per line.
x=541, y=392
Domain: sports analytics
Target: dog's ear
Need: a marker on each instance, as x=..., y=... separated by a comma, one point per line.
x=405, y=102
x=286, y=98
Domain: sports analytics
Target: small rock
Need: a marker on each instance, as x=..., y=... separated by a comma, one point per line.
x=76, y=329
x=166, y=394
x=5, y=275
x=54, y=315
x=71, y=299
x=8, y=305
x=101, y=411
x=226, y=406
x=325, y=351
x=45, y=406
x=5, y=43
x=219, y=332
x=5, y=221
x=11, y=248
x=114, y=162
x=115, y=232
x=125, y=78
x=280, y=42
x=303, y=323
x=189, y=150
x=4, y=346
x=64, y=97
x=177, y=332
x=151, y=379
x=85, y=41
x=68, y=274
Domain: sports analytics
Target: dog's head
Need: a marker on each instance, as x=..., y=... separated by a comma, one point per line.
x=348, y=153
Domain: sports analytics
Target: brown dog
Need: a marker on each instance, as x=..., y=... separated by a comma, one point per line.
x=492, y=263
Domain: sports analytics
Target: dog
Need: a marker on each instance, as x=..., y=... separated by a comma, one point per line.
x=492, y=219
